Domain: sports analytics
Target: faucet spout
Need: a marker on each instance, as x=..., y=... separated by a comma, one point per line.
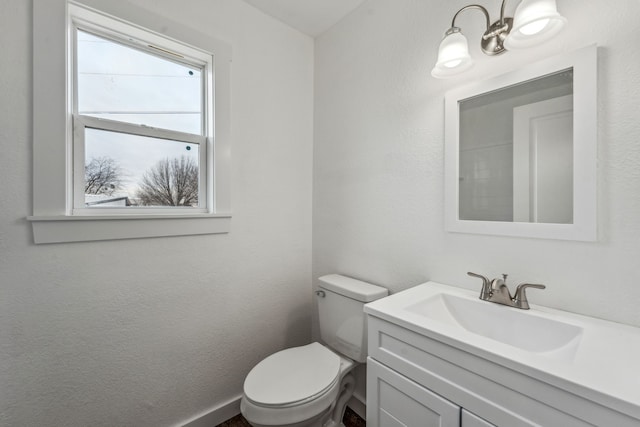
x=500, y=291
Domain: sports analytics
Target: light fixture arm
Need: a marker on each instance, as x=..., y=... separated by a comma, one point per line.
x=472, y=6
x=502, y=7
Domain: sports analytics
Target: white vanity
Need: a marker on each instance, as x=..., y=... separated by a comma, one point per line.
x=439, y=356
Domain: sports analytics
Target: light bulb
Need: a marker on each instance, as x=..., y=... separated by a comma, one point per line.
x=452, y=64
x=534, y=27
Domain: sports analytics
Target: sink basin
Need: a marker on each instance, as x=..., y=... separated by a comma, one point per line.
x=511, y=326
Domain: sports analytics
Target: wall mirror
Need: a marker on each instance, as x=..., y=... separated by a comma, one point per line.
x=521, y=151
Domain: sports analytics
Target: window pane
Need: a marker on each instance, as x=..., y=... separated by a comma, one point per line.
x=130, y=170
x=118, y=82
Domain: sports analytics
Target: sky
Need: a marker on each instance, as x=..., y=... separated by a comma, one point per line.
x=120, y=83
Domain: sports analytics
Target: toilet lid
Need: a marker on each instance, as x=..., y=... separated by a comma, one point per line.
x=292, y=375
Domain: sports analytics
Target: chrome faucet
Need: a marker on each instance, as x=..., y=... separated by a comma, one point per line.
x=497, y=291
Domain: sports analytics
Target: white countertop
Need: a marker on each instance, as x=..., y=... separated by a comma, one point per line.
x=603, y=365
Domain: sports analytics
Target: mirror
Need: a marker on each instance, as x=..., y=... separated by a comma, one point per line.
x=520, y=153
x=516, y=152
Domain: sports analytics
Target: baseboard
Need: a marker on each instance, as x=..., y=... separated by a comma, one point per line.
x=358, y=404
x=216, y=415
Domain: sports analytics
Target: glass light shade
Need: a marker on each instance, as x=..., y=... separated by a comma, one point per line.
x=453, y=55
x=534, y=22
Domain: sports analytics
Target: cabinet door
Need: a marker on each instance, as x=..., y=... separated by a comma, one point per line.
x=470, y=420
x=395, y=401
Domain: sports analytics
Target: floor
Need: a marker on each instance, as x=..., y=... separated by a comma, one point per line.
x=351, y=419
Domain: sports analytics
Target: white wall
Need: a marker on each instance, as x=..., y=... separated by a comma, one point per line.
x=152, y=332
x=378, y=157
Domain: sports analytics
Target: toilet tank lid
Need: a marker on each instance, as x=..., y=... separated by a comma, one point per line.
x=352, y=288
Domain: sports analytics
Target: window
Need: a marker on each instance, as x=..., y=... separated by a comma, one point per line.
x=130, y=137
x=139, y=118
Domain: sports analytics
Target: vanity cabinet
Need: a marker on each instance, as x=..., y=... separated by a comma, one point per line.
x=402, y=402
x=414, y=380
x=439, y=356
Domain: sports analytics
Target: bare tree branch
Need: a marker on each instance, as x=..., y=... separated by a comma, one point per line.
x=102, y=175
x=170, y=182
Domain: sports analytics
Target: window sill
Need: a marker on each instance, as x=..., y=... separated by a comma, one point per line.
x=86, y=228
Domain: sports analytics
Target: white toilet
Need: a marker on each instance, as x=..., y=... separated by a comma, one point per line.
x=310, y=386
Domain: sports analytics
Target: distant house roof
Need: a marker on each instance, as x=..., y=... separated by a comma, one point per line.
x=101, y=199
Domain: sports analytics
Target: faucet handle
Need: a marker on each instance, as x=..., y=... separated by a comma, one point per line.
x=485, y=293
x=520, y=298
x=479, y=276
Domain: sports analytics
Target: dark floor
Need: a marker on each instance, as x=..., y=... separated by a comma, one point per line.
x=351, y=419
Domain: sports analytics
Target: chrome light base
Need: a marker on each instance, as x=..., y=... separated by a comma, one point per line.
x=492, y=42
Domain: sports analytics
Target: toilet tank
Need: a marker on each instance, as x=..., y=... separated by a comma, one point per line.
x=343, y=324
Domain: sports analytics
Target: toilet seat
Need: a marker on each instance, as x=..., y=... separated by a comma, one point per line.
x=293, y=377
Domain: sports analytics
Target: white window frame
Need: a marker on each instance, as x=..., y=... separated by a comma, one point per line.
x=57, y=217
x=83, y=19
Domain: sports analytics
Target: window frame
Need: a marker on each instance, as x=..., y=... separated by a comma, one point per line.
x=88, y=21
x=55, y=218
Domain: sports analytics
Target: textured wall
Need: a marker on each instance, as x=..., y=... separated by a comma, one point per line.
x=378, y=157
x=152, y=332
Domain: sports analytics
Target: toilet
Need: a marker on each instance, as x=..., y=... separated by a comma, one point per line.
x=310, y=386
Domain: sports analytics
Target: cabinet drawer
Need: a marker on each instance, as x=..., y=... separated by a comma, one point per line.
x=396, y=401
x=497, y=394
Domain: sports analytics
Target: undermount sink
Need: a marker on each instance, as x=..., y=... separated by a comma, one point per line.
x=511, y=326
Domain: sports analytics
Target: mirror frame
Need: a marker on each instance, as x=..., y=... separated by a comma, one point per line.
x=585, y=126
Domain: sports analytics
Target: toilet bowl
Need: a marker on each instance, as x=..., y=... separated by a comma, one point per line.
x=299, y=387
x=309, y=386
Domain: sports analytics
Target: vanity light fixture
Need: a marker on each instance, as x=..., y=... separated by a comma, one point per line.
x=534, y=22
